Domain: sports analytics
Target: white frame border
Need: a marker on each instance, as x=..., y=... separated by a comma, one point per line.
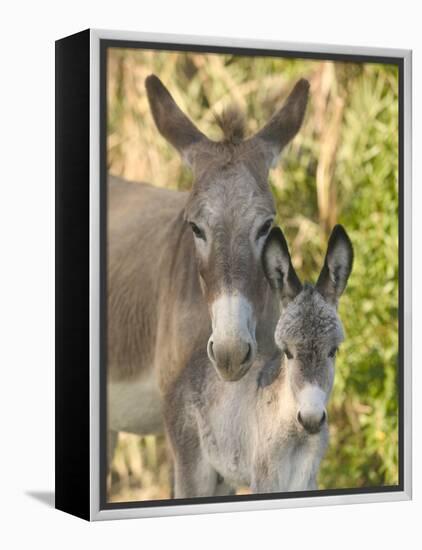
x=171, y=510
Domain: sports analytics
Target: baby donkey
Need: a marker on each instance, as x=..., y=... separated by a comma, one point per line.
x=269, y=430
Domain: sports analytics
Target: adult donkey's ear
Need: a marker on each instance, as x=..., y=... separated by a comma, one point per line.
x=278, y=266
x=171, y=122
x=337, y=265
x=285, y=124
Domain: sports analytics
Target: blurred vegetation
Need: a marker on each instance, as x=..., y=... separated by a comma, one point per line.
x=341, y=167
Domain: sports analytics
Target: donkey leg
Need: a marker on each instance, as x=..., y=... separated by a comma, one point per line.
x=194, y=479
x=194, y=476
x=112, y=438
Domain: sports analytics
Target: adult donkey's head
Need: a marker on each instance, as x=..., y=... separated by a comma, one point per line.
x=230, y=211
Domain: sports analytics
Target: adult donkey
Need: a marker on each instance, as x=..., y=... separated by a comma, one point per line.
x=184, y=272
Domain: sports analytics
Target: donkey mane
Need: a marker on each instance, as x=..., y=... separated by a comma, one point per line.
x=232, y=123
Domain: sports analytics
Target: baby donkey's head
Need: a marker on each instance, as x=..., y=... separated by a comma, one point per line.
x=309, y=330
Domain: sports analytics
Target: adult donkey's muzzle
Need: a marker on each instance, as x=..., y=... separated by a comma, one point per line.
x=232, y=359
x=232, y=345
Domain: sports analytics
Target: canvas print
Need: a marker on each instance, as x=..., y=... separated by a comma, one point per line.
x=251, y=242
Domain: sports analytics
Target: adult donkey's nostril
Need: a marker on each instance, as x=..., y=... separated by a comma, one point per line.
x=299, y=418
x=248, y=355
x=211, y=350
x=311, y=423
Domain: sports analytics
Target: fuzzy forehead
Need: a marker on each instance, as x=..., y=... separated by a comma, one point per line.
x=234, y=191
x=309, y=319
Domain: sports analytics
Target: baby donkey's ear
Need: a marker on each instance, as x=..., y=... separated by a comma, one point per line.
x=337, y=265
x=278, y=267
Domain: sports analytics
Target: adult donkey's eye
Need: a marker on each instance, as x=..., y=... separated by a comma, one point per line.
x=333, y=352
x=199, y=234
x=287, y=353
x=263, y=230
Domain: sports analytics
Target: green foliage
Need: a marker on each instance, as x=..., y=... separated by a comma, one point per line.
x=341, y=168
x=365, y=444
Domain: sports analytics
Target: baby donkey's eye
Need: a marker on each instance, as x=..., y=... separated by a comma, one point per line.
x=333, y=352
x=287, y=353
x=197, y=231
